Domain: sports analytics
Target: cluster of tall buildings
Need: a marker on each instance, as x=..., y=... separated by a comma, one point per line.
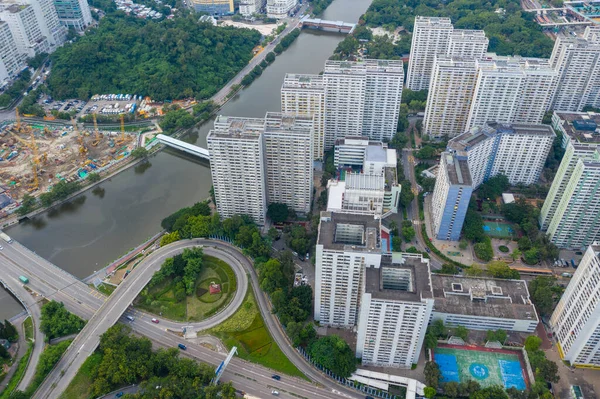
x=359, y=99
x=389, y=298
x=30, y=27
x=518, y=151
x=491, y=108
x=274, y=8
x=469, y=86
x=350, y=98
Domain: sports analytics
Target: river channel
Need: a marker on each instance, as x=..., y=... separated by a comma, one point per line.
x=104, y=223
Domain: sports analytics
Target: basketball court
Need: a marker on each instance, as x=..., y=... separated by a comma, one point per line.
x=486, y=366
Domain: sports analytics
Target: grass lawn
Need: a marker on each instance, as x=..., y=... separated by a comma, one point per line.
x=246, y=330
x=28, y=327
x=106, y=289
x=16, y=378
x=197, y=307
x=79, y=388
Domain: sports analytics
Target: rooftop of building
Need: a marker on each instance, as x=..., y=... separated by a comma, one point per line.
x=581, y=127
x=277, y=121
x=237, y=127
x=350, y=232
x=457, y=169
x=483, y=297
x=468, y=34
x=359, y=141
x=14, y=8
x=455, y=61
x=478, y=134
x=361, y=67
x=400, y=277
x=434, y=20
x=303, y=81
x=376, y=153
x=516, y=63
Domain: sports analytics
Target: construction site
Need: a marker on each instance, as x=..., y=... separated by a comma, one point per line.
x=35, y=156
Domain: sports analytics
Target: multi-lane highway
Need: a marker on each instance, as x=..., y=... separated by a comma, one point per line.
x=49, y=280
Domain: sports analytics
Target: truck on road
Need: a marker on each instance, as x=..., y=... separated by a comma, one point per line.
x=6, y=238
x=24, y=279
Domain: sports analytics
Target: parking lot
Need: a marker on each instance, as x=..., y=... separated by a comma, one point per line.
x=102, y=105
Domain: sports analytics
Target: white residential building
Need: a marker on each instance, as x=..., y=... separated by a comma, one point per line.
x=430, y=37
x=451, y=90
x=577, y=61
x=569, y=214
x=434, y=36
x=383, y=96
x=346, y=245
x=362, y=98
x=483, y=303
x=280, y=8
x=305, y=95
x=11, y=61
x=576, y=222
x=74, y=13
x=250, y=7
x=511, y=90
x=576, y=320
x=467, y=43
x=49, y=23
x=25, y=29
x=289, y=160
x=395, y=309
x=518, y=151
x=237, y=167
x=450, y=198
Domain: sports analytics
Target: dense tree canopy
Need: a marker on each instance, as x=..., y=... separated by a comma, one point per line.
x=510, y=32
x=170, y=59
x=333, y=353
x=58, y=321
x=125, y=359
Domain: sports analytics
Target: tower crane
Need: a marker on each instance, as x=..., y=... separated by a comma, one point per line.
x=82, y=148
x=123, y=138
x=97, y=136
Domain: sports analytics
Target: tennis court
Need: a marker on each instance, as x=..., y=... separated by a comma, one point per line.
x=486, y=367
x=497, y=229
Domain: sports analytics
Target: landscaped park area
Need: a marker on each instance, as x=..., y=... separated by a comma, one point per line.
x=247, y=331
x=215, y=287
x=486, y=366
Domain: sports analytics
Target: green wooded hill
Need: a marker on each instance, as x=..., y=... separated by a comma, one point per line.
x=165, y=60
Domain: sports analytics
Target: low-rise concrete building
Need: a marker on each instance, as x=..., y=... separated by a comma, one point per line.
x=479, y=303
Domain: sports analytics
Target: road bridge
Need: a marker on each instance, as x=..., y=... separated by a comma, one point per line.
x=328, y=26
x=16, y=260
x=183, y=146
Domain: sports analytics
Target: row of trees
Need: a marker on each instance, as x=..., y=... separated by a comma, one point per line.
x=170, y=59
x=16, y=89
x=125, y=359
x=545, y=293
x=59, y=191
x=58, y=322
x=197, y=221
x=175, y=118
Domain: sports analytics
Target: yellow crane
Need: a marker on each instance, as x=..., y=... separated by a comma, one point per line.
x=123, y=137
x=18, y=119
x=82, y=148
x=97, y=136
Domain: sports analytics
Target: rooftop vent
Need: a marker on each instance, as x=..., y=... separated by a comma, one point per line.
x=496, y=290
x=457, y=287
